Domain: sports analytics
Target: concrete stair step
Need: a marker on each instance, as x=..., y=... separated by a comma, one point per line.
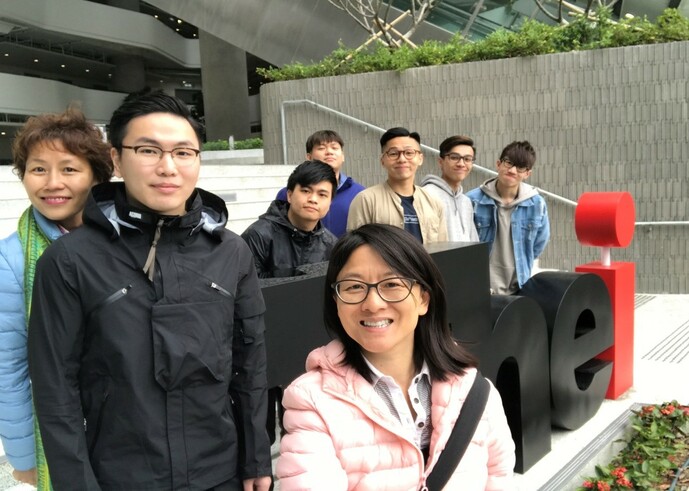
x=13, y=208
x=8, y=226
x=239, y=226
x=246, y=182
x=247, y=210
x=217, y=168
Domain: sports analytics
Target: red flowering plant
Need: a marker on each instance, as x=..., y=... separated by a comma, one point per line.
x=655, y=456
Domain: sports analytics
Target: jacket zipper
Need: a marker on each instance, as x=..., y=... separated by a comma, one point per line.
x=220, y=290
x=116, y=296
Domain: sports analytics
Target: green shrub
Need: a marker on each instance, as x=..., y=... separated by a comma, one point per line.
x=238, y=145
x=248, y=144
x=672, y=26
x=631, y=32
x=656, y=450
x=215, y=145
x=533, y=38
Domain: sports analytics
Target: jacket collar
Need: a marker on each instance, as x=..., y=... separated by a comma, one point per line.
x=107, y=208
x=277, y=213
x=48, y=227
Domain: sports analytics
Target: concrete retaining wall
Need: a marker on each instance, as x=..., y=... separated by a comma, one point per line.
x=605, y=120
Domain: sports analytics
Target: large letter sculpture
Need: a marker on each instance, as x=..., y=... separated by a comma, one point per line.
x=607, y=220
x=510, y=338
x=577, y=312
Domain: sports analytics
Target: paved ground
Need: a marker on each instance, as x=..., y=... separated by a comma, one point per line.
x=6, y=481
x=661, y=343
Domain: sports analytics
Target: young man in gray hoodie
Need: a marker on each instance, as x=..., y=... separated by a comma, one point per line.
x=512, y=217
x=457, y=154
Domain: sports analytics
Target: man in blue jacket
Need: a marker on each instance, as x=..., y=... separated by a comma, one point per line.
x=328, y=146
x=512, y=217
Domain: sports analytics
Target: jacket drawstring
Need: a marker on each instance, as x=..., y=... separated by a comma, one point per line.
x=150, y=265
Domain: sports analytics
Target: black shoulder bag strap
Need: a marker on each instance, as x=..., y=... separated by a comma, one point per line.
x=464, y=429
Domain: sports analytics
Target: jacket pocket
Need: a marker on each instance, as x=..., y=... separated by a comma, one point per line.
x=529, y=229
x=113, y=297
x=191, y=345
x=482, y=228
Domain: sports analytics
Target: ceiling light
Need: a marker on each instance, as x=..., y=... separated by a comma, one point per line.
x=7, y=54
x=179, y=21
x=63, y=66
x=177, y=29
x=35, y=60
x=87, y=70
x=156, y=16
x=2, y=133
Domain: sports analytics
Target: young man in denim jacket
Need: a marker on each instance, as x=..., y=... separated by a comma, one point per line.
x=512, y=217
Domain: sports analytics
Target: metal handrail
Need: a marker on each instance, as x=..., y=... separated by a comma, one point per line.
x=642, y=224
x=352, y=119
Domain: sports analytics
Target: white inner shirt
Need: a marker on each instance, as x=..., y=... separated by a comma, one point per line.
x=417, y=429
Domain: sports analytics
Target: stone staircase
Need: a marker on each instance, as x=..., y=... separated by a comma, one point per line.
x=239, y=177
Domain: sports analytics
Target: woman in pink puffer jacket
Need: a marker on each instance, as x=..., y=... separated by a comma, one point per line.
x=377, y=405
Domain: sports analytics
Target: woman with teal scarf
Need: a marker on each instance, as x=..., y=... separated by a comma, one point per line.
x=58, y=158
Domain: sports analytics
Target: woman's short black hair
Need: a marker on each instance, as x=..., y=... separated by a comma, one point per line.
x=433, y=341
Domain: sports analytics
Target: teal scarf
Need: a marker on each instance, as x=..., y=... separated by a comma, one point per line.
x=34, y=242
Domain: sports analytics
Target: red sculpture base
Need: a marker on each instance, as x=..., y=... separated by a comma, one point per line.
x=619, y=278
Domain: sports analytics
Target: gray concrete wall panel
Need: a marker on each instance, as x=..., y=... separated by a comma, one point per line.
x=605, y=120
x=225, y=89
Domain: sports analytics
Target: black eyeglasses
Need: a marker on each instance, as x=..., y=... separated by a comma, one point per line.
x=409, y=153
x=509, y=164
x=455, y=158
x=151, y=154
x=391, y=290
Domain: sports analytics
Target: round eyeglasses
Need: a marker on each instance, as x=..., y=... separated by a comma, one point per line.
x=508, y=164
x=151, y=154
x=391, y=290
x=456, y=158
x=409, y=153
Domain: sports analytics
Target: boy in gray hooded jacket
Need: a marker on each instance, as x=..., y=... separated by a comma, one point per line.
x=457, y=155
